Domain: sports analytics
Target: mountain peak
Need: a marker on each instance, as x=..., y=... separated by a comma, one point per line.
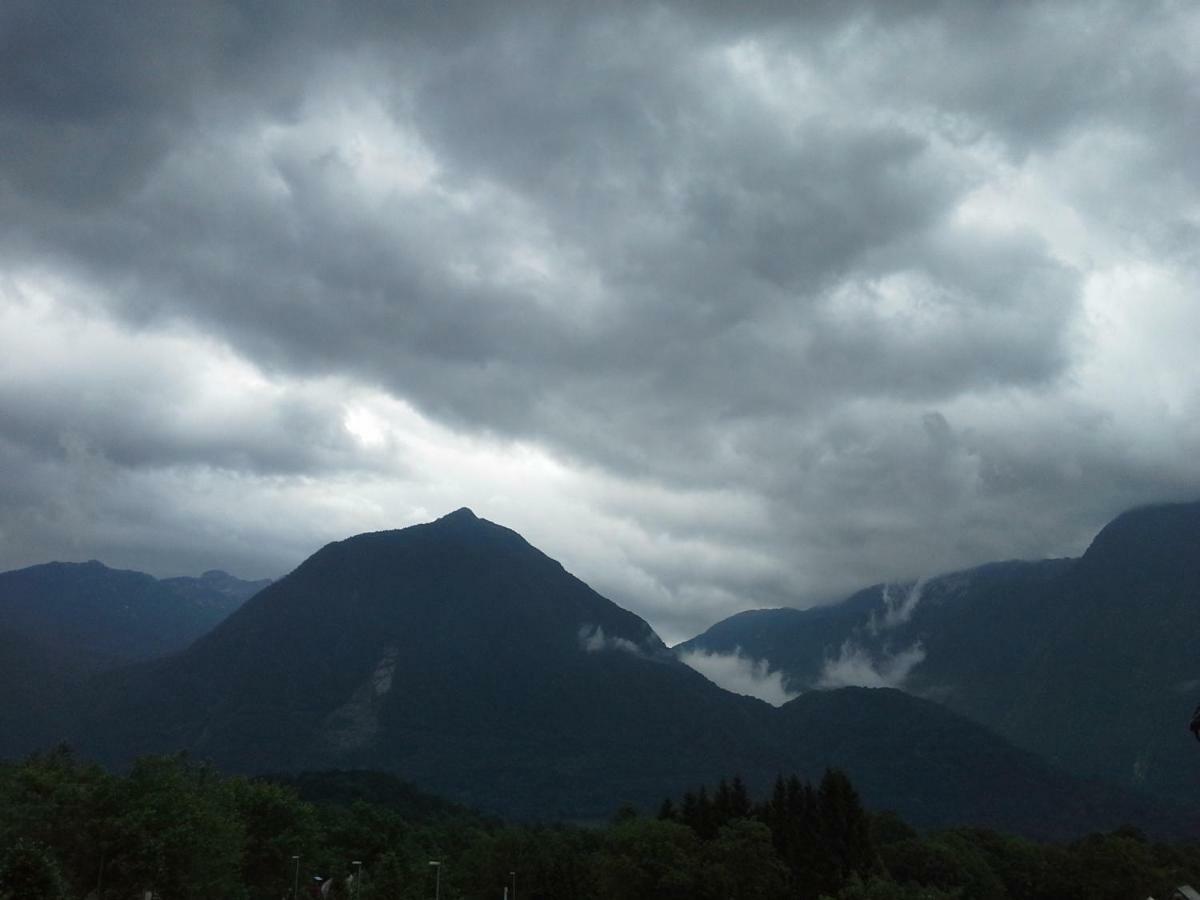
x=460, y=517
x=1162, y=535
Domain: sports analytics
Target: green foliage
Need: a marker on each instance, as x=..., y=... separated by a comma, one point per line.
x=649, y=858
x=277, y=826
x=69, y=830
x=56, y=801
x=391, y=879
x=945, y=862
x=29, y=872
x=883, y=889
x=843, y=826
x=743, y=863
x=176, y=831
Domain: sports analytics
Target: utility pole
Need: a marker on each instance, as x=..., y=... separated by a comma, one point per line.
x=437, y=879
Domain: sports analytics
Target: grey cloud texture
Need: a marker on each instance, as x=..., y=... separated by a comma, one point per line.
x=857, y=665
x=854, y=666
x=741, y=674
x=764, y=303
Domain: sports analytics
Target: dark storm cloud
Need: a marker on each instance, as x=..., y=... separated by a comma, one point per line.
x=694, y=238
x=692, y=247
x=135, y=428
x=79, y=506
x=93, y=96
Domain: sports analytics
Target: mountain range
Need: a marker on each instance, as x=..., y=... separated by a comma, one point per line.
x=1090, y=663
x=461, y=658
x=63, y=623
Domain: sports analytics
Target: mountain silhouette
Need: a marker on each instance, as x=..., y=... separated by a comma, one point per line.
x=1090, y=663
x=62, y=622
x=454, y=654
x=460, y=658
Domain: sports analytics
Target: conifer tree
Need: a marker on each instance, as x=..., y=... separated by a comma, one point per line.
x=845, y=830
x=705, y=815
x=690, y=813
x=740, y=804
x=722, y=804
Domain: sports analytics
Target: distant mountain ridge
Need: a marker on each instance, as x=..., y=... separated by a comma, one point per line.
x=461, y=658
x=1089, y=663
x=950, y=637
x=111, y=616
x=63, y=622
x=216, y=590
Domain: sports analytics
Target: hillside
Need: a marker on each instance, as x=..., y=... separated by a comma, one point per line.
x=1086, y=662
x=63, y=622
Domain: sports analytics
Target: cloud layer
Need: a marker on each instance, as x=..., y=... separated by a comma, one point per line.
x=722, y=308
x=855, y=666
x=742, y=675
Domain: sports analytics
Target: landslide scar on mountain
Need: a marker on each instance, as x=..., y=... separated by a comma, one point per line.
x=355, y=723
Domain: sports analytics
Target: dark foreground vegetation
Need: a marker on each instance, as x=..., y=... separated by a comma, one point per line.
x=71, y=830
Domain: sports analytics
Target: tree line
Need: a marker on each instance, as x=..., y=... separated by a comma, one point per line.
x=181, y=830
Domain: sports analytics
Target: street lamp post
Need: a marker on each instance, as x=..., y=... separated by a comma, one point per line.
x=513, y=876
x=437, y=879
x=296, y=879
x=357, y=877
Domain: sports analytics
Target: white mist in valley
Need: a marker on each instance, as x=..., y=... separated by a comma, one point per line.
x=741, y=674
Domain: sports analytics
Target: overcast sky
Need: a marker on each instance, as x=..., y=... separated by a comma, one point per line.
x=724, y=305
